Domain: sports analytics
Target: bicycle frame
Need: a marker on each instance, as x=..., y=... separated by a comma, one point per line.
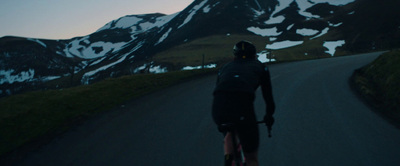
x=238, y=155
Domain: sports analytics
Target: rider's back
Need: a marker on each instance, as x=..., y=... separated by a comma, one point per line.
x=241, y=75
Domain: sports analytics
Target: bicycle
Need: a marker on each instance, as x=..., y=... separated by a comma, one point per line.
x=238, y=154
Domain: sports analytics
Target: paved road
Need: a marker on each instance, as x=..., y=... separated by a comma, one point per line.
x=319, y=121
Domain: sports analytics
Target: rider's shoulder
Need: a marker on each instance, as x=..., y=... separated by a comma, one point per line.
x=262, y=66
x=258, y=63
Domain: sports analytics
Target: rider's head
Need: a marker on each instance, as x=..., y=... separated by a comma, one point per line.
x=244, y=50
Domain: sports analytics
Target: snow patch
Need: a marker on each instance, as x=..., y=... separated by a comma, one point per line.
x=151, y=68
x=307, y=32
x=95, y=50
x=283, y=44
x=8, y=76
x=275, y=20
x=49, y=78
x=206, y=9
x=200, y=67
x=282, y=5
x=289, y=27
x=158, y=69
x=305, y=4
x=332, y=45
x=332, y=2
x=97, y=61
x=86, y=77
x=263, y=57
x=159, y=23
x=258, y=4
x=335, y=25
x=38, y=41
x=86, y=41
x=124, y=22
x=192, y=13
x=127, y=22
x=139, y=45
x=264, y=32
x=258, y=13
x=163, y=37
x=323, y=32
x=133, y=23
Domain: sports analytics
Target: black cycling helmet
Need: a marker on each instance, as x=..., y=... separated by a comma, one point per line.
x=244, y=50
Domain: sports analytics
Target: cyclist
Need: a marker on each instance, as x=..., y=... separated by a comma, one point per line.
x=234, y=96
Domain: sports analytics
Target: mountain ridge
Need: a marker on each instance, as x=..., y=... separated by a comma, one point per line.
x=127, y=45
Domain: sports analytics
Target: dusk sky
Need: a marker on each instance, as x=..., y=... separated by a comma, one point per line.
x=64, y=19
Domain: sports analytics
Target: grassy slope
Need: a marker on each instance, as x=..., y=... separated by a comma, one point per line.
x=379, y=83
x=31, y=116
x=218, y=49
x=311, y=49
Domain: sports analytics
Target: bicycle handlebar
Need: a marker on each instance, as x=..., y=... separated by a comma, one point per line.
x=269, y=128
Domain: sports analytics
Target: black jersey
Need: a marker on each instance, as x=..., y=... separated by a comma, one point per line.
x=242, y=76
x=245, y=76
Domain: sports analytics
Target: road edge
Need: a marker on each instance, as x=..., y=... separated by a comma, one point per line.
x=369, y=100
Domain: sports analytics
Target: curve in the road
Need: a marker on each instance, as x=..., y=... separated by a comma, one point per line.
x=319, y=121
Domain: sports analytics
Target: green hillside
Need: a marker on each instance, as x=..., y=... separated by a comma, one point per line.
x=217, y=49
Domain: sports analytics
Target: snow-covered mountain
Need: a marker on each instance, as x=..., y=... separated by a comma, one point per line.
x=126, y=45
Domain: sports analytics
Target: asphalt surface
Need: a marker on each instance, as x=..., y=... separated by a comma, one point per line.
x=319, y=121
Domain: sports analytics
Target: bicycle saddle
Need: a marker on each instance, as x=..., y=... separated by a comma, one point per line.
x=226, y=127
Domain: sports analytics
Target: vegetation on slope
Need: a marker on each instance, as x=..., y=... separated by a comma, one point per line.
x=32, y=116
x=379, y=83
x=217, y=49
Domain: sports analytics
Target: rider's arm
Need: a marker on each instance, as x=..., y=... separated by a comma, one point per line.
x=266, y=89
